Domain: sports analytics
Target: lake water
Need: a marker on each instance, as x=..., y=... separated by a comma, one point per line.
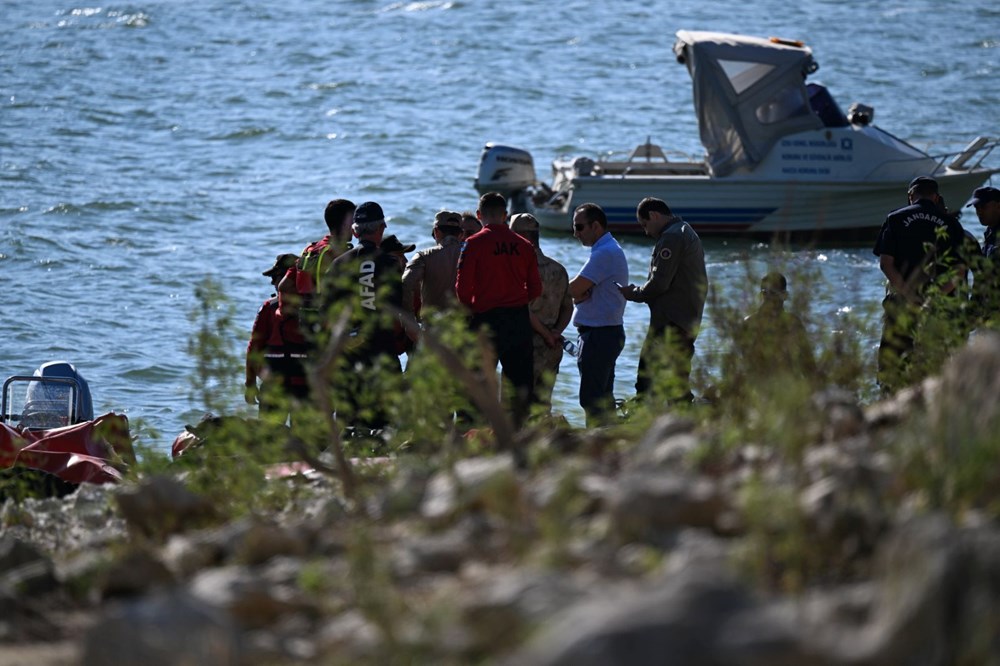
x=147, y=145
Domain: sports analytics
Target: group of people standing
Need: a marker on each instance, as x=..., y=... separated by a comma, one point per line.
x=941, y=283
x=491, y=268
x=675, y=291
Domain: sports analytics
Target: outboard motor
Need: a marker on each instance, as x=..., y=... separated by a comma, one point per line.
x=505, y=169
x=48, y=402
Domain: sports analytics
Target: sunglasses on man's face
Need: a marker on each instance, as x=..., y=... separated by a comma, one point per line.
x=580, y=227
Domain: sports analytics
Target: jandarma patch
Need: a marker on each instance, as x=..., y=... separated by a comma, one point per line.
x=665, y=253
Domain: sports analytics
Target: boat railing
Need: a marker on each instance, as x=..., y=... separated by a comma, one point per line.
x=651, y=169
x=976, y=152
x=649, y=159
x=981, y=146
x=645, y=159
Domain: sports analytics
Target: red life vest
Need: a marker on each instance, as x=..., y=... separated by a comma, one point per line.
x=285, y=350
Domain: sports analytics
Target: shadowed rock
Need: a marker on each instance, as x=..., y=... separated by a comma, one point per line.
x=166, y=630
x=161, y=505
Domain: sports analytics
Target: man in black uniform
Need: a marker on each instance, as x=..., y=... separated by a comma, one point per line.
x=919, y=246
x=986, y=201
x=986, y=290
x=367, y=280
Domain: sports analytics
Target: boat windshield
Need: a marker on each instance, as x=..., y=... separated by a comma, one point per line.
x=748, y=93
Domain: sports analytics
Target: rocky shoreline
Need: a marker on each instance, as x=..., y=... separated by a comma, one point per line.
x=670, y=549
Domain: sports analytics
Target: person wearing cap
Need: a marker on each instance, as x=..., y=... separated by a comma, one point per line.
x=773, y=341
x=986, y=201
x=368, y=280
x=429, y=277
x=496, y=279
x=675, y=292
x=986, y=290
x=276, y=352
x=918, y=245
x=598, y=312
x=550, y=313
x=392, y=245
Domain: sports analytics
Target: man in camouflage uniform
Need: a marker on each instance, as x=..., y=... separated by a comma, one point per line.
x=550, y=312
x=429, y=278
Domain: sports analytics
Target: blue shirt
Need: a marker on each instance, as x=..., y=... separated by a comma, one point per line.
x=606, y=266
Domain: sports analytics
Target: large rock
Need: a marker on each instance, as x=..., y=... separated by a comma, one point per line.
x=15, y=553
x=839, y=415
x=939, y=597
x=187, y=554
x=970, y=384
x=172, y=629
x=350, y=636
x=403, y=494
x=262, y=541
x=162, y=505
x=499, y=610
x=91, y=505
x=699, y=617
x=249, y=595
x=845, y=519
x=473, y=483
x=644, y=505
x=669, y=442
x=134, y=573
x=24, y=570
x=20, y=621
x=435, y=553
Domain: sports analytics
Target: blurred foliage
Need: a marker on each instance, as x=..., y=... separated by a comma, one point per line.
x=754, y=386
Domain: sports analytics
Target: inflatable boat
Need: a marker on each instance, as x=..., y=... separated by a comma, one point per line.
x=50, y=438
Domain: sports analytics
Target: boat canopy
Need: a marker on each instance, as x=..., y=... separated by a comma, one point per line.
x=748, y=93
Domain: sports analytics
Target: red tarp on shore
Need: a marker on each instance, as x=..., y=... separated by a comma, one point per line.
x=81, y=453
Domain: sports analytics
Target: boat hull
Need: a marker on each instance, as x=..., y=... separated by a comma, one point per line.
x=754, y=208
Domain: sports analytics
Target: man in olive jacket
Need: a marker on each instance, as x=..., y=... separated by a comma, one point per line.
x=675, y=292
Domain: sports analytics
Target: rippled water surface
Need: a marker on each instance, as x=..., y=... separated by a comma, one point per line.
x=146, y=146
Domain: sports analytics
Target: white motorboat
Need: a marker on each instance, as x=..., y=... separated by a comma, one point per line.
x=781, y=157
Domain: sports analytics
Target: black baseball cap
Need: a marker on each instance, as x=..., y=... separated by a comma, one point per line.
x=281, y=265
x=368, y=213
x=922, y=182
x=984, y=195
x=391, y=244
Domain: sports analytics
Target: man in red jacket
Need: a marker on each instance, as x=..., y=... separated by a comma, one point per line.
x=276, y=352
x=497, y=278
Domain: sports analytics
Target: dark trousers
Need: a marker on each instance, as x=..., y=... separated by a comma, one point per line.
x=511, y=335
x=665, y=364
x=899, y=325
x=597, y=354
x=366, y=383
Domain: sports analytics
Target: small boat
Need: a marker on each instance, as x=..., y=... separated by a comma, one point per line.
x=50, y=440
x=781, y=157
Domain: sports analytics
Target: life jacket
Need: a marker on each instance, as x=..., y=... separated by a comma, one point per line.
x=308, y=269
x=285, y=350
